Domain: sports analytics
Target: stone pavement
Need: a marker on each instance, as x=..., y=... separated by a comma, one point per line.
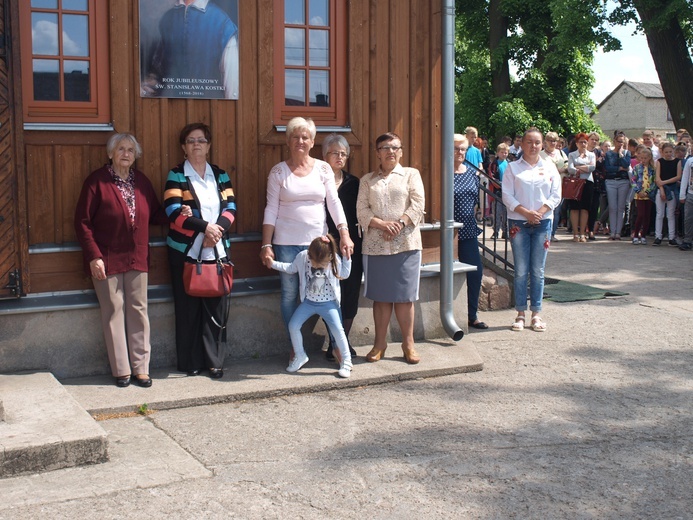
x=591, y=419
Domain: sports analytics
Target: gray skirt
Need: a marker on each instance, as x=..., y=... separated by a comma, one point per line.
x=392, y=278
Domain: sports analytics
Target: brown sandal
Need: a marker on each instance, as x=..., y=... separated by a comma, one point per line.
x=375, y=354
x=411, y=355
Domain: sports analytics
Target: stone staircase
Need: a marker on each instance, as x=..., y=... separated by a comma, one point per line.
x=43, y=428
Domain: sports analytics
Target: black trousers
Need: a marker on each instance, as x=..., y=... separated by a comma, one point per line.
x=197, y=333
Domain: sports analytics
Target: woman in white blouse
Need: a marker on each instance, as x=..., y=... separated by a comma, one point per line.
x=581, y=163
x=389, y=208
x=297, y=191
x=531, y=191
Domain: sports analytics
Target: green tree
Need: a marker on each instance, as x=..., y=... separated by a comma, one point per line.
x=668, y=26
x=552, y=42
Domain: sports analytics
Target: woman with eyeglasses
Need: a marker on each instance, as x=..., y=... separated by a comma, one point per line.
x=466, y=186
x=581, y=163
x=298, y=190
x=557, y=156
x=198, y=234
x=335, y=150
x=390, y=206
x=116, y=206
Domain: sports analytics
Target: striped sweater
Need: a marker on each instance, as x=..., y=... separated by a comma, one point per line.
x=183, y=230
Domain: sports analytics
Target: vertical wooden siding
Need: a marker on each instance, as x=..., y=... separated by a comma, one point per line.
x=394, y=85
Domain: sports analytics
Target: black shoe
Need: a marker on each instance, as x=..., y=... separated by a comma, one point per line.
x=478, y=325
x=329, y=355
x=657, y=242
x=673, y=242
x=144, y=383
x=216, y=373
x=352, y=351
x=685, y=247
x=193, y=373
x=122, y=382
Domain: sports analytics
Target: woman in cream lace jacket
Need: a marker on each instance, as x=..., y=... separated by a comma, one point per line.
x=389, y=208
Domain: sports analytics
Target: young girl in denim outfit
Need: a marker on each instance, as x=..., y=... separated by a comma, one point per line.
x=319, y=270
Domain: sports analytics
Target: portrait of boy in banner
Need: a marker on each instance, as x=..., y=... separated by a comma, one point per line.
x=189, y=49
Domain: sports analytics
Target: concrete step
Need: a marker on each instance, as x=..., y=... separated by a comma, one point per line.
x=267, y=377
x=45, y=428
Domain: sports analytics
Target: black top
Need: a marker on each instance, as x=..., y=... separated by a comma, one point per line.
x=348, y=193
x=667, y=169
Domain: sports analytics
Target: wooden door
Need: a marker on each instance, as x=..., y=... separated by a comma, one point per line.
x=11, y=276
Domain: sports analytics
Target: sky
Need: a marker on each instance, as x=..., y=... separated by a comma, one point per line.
x=632, y=63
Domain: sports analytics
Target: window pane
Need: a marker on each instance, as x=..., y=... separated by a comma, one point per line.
x=46, y=80
x=319, y=48
x=75, y=5
x=45, y=4
x=295, y=88
x=44, y=34
x=294, y=47
x=319, y=88
x=75, y=35
x=76, y=80
x=294, y=12
x=319, y=13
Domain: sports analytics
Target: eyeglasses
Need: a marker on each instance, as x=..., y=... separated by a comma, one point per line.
x=460, y=149
x=552, y=140
x=199, y=140
x=390, y=148
x=339, y=154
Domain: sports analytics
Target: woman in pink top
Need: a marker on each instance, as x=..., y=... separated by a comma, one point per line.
x=297, y=191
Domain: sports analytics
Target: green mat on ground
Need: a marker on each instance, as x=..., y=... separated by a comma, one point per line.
x=574, y=292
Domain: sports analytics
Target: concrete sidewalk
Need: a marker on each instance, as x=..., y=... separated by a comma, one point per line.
x=264, y=378
x=590, y=419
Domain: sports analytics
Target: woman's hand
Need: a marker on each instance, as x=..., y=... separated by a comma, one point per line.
x=267, y=256
x=662, y=194
x=533, y=217
x=213, y=233
x=346, y=245
x=390, y=228
x=185, y=210
x=97, y=269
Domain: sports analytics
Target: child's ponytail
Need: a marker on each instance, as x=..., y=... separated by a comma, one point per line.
x=322, y=248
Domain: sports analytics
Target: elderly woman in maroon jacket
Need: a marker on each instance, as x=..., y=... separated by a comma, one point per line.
x=112, y=219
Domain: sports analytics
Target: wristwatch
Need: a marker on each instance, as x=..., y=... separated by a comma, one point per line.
x=404, y=224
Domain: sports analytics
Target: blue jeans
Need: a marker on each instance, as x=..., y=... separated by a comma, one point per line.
x=530, y=245
x=617, y=191
x=289, y=297
x=556, y=218
x=328, y=311
x=468, y=253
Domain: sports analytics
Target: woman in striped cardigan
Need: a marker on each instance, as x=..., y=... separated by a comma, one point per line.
x=207, y=190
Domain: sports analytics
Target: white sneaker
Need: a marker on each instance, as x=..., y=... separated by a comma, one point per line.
x=345, y=369
x=643, y=241
x=296, y=363
x=636, y=241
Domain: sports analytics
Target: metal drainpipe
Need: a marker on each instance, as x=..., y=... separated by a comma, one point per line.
x=447, y=227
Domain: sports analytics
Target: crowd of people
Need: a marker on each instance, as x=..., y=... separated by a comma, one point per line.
x=323, y=228
x=624, y=180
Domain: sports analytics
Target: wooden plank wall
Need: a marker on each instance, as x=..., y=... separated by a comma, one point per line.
x=394, y=81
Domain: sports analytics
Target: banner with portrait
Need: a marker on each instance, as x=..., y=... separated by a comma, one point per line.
x=189, y=49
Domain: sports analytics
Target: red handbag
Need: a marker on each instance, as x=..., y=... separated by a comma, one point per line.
x=572, y=187
x=208, y=280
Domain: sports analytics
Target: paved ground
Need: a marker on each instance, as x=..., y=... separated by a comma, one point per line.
x=591, y=419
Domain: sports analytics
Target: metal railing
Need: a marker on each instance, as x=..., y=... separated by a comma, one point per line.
x=492, y=218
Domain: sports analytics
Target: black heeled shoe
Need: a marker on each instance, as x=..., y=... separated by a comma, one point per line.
x=478, y=325
x=145, y=382
x=193, y=373
x=216, y=373
x=122, y=382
